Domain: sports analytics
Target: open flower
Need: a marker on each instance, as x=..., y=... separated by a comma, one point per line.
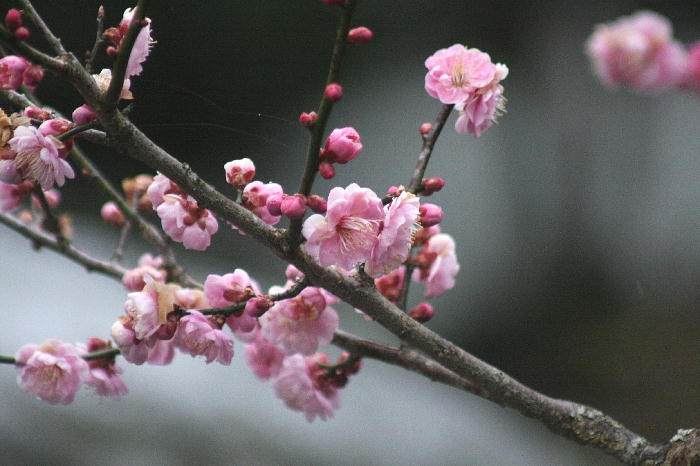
x=264, y=358
x=37, y=157
x=346, y=235
x=198, y=336
x=184, y=221
x=455, y=73
x=142, y=45
x=233, y=288
x=104, y=372
x=52, y=371
x=437, y=265
x=255, y=197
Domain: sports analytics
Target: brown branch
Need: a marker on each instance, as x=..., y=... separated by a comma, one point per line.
x=324, y=111
x=76, y=255
x=32, y=14
x=427, y=149
x=94, y=136
x=99, y=41
x=35, y=56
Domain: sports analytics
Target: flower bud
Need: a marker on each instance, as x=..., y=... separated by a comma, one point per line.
x=13, y=19
x=293, y=206
x=425, y=128
x=22, y=33
x=392, y=191
x=430, y=214
x=424, y=234
x=12, y=70
x=112, y=215
x=360, y=36
x=239, y=172
x=53, y=198
x=274, y=204
x=37, y=113
x=55, y=127
x=432, y=185
x=32, y=76
x=111, y=51
x=333, y=92
x=326, y=170
x=83, y=115
x=308, y=119
x=422, y=313
x=342, y=145
x=258, y=305
x=317, y=203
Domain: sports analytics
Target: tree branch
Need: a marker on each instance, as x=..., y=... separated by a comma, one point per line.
x=427, y=149
x=53, y=41
x=324, y=111
x=99, y=41
x=34, y=55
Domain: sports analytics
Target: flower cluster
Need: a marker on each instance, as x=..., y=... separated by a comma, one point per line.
x=468, y=79
x=15, y=71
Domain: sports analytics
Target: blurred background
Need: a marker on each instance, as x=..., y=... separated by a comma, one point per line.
x=577, y=221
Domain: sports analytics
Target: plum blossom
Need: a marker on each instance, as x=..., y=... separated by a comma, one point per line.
x=455, y=73
x=198, y=336
x=303, y=387
x=142, y=45
x=185, y=222
x=239, y=172
x=479, y=112
x=437, y=265
x=348, y=232
x=693, y=75
x=300, y=324
x=12, y=68
x=264, y=358
x=134, y=279
x=104, y=372
x=37, y=158
x=255, y=197
x=161, y=353
x=342, y=145
x=12, y=195
x=105, y=77
x=233, y=288
x=390, y=285
x=638, y=51
x=52, y=371
x=396, y=235
x=134, y=350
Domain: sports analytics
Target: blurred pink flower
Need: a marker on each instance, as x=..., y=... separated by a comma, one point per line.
x=104, y=373
x=12, y=195
x=348, y=232
x=12, y=70
x=437, y=265
x=264, y=358
x=52, y=371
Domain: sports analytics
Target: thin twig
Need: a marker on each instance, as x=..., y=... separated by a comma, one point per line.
x=290, y=292
x=74, y=131
x=34, y=55
x=51, y=222
x=324, y=111
x=111, y=96
x=124, y=234
x=99, y=41
x=427, y=148
x=50, y=37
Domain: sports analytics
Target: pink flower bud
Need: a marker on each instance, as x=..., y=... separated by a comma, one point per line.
x=112, y=215
x=32, y=76
x=342, y=145
x=422, y=313
x=317, y=203
x=83, y=115
x=360, y=36
x=693, y=79
x=258, y=305
x=22, y=33
x=55, y=127
x=432, y=185
x=430, y=215
x=326, y=170
x=308, y=119
x=12, y=70
x=274, y=204
x=53, y=198
x=425, y=128
x=333, y=92
x=37, y=113
x=293, y=206
x=239, y=172
x=13, y=19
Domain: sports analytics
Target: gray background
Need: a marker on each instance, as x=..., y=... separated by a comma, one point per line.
x=576, y=220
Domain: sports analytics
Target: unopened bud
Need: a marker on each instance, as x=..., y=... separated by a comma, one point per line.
x=430, y=214
x=333, y=92
x=258, y=305
x=274, y=204
x=239, y=172
x=112, y=215
x=317, y=203
x=37, y=113
x=360, y=36
x=111, y=51
x=22, y=33
x=432, y=185
x=425, y=128
x=424, y=234
x=293, y=206
x=326, y=170
x=83, y=115
x=392, y=191
x=13, y=19
x=308, y=119
x=422, y=313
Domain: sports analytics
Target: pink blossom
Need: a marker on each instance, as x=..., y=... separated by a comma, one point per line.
x=12, y=195
x=360, y=35
x=104, y=373
x=348, y=232
x=134, y=279
x=32, y=76
x=105, y=78
x=293, y=206
x=159, y=187
x=693, y=75
x=342, y=145
x=638, y=51
x=161, y=353
x=12, y=70
x=333, y=92
x=142, y=307
x=233, y=288
x=52, y=371
x=437, y=265
x=134, y=350
x=83, y=115
x=303, y=388
x=38, y=157
x=390, y=285
x=197, y=336
x=430, y=214
x=478, y=114
x=300, y=324
x=422, y=312
x=396, y=235
x=191, y=299
x=142, y=45
x=112, y=215
x=264, y=359
x=255, y=197
x=455, y=73
x=184, y=221
x=239, y=172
